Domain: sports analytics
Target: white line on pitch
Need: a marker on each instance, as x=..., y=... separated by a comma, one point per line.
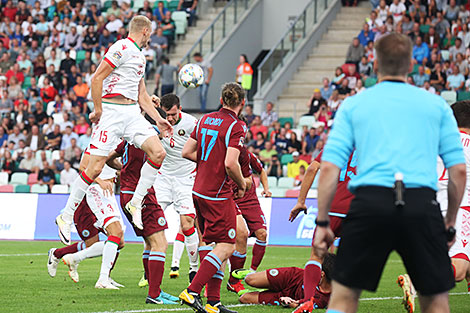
x=171, y=310
x=23, y=254
x=399, y=298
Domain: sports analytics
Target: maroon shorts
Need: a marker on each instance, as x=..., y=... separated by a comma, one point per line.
x=253, y=215
x=84, y=220
x=335, y=224
x=283, y=282
x=153, y=216
x=217, y=220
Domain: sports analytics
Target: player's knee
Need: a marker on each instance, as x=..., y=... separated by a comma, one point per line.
x=261, y=234
x=243, y=299
x=158, y=154
x=242, y=233
x=248, y=298
x=186, y=223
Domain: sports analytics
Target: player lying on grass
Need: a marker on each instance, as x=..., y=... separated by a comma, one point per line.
x=116, y=88
x=249, y=216
x=459, y=252
x=339, y=209
x=98, y=212
x=285, y=285
x=153, y=218
x=175, y=181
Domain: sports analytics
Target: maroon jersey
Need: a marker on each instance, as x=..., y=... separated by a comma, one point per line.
x=215, y=133
x=343, y=196
x=132, y=160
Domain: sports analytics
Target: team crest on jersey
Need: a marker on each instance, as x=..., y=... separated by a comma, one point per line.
x=117, y=55
x=85, y=233
x=273, y=272
x=161, y=221
x=181, y=132
x=242, y=141
x=232, y=233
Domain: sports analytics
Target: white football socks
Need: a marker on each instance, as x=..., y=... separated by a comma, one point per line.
x=94, y=251
x=148, y=174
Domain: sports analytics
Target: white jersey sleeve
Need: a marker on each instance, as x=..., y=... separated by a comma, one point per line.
x=128, y=63
x=174, y=164
x=443, y=177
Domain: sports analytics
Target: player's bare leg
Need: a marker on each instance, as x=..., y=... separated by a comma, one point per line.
x=259, y=248
x=191, y=241
x=69, y=258
x=77, y=193
x=467, y=277
x=343, y=299
x=155, y=153
x=238, y=258
x=460, y=267
x=434, y=304
x=114, y=242
x=256, y=280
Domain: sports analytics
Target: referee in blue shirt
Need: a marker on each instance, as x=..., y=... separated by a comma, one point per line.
x=398, y=131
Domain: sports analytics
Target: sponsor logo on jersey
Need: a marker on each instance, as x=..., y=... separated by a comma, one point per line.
x=232, y=233
x=161, y=221
x=117, y=55
x=273, y=272
x=86, y=233
x=181, y=132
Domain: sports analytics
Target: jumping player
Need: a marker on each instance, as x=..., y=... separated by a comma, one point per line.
x=154, y=222
x=249, y=215
x=339, y=209
x=117, y=86
x=285, y=285
x=102, y=214
x=215, y=145
x=175, y=182
x=460, y=250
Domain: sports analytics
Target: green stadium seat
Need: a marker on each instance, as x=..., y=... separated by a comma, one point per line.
x=22, y=188
x=27, y=82
x=286, y=158
x=36, y=188
x=424, y=28
x=181, y=22
x=19, y=179
x=7, y=188
x=463, y=95
x=272, y=181
x=80, y=56
x=57, y=178
x=415, y=69
x=285, y=182
x=306, y=120
x=449, y=96
x=137, y=5
x=106, y=5
x=284, y=120
x=4, y=178
x=278, y=192
x=370, y=81
x=173, y=5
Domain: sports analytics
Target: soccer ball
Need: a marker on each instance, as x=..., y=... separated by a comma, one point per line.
x=191, y=76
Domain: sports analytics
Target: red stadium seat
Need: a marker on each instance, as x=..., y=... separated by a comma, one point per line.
x=291, y=193
x=6, y=188
x=306, y=157
x=32, y=179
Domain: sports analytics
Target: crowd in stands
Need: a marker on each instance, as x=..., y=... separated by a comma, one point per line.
x=49, y=50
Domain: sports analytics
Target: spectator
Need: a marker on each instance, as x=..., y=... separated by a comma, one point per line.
x=293, y=168
x=299, y=178
x=438, y=77
x=274, y=168
x=151, y=58
x=90, y=40
x=441, y=25
x=65, y=122
x=407, y=24
x=432, y=38
x=281, y=142
x=3, y=137
x=420, y=77
x=60, y=162
x=323, y=115
x=244, y=73
x=293, y=144
x=9, y=165
x=427, y=86
x=113, y=24
x=415, y=32
x=16, y=136
x=365, y=68
x=159, y=42
x=75, y=161
x=6, y=105
x=456, y=80
x=48, y=92
x=355, y=51
x=420, y=51
x=451, y=11
x=258, y=144
x=257, y=127
x=374, y=21
x=249, y=114
x=39, y=115
x=382, y=11
x=82, y=126
x=67, y=63
x=339, y=76
x=68, y=174
x=189, y=6
x=168, y=27
x=84, y=140
x=416, y=10
x=365, y=35
x=106, y=39
x=54, y=139
x=29, y=164
x=462, y=64
x=464, y=35
x=308, y=144
x=67, y=138
x=160, y=11
x=208, y=71
x=35, y=140
x=318, y=148
x=458, y=48
x=73, y=40
x=165, y=75
x=269, y=116
x=267, y=153
x=326, y=90
x=358, y=88
x=352, y=76
x=344, y=90
x=46, y=176
x=81, y=89
x=397, y=10
x=334, y=101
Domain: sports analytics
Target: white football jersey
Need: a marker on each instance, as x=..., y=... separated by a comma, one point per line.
x=174, y=164
x=444, y=178
x=128, y=62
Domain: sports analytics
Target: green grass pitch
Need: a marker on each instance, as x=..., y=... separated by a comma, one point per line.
x=26, y=287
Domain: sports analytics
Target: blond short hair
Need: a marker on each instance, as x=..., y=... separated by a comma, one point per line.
x=138, y=23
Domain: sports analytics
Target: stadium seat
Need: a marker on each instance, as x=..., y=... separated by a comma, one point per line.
x=286, y=158
x=138, y=4
x=6, y=188
x=32, y=178
x=463, y=95
x=181, y=22
x=60, y=189
x=3, y=178
x=292, y=193
x=449, y=96
x=415, y=69
x=19, y=179
x=272, y=181
x=26, y=83
x=445, y=54
x=106, y=5
x=172, y=5
x=80, y=56
x=284, y=120
x=306, y=120
x=424, y=28
x=370, y=81
x=55, y=155
x=285, y=182
x=306, y=157
x=36, y=188
x=48, y=155
x=278, y=192
x=257, y=181
x=57, y=178
x=22, y=188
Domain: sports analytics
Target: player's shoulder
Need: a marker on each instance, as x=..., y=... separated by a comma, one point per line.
x=188, y=118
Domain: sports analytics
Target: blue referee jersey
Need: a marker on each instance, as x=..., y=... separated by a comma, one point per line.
x=394, y=127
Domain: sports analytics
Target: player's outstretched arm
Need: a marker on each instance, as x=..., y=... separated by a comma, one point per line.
x=263, y=177
x=232, y=167
x=190, y=150
x=310, y=175
x=146, y=103
x=103, y=71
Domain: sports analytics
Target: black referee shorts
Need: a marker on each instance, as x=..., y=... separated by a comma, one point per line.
x=374, y=227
